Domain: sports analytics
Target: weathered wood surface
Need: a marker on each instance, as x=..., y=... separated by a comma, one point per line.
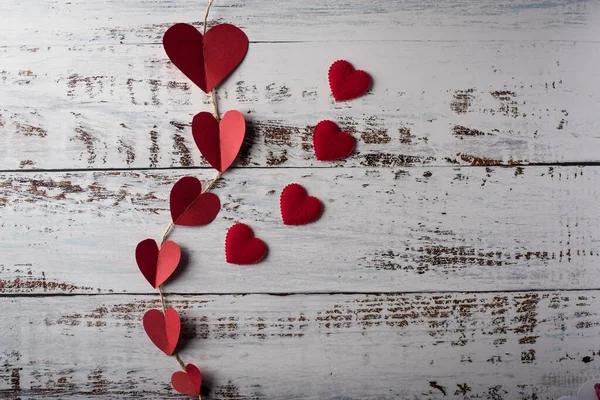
x=524, y=345
x=414, y=229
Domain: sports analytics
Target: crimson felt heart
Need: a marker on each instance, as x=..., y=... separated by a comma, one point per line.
x=347, y=83
x=163, y=329
x=241, y=247
x=157, y=265
x=205, y=60
x=219, y=143
x=297, y=207
x=330, y=143
x=188, y=382
x=191, y=207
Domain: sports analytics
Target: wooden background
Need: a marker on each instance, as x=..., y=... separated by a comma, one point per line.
x=458, y=254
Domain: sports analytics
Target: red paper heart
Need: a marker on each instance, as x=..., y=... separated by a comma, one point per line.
x=330, y=143
x=163, y=329
x=297, y=207
x=191, y=207
x=241, y=247
x=219, y=143
x=347, y=83
x=188, y=382
x=207, y=60
x=157, y=265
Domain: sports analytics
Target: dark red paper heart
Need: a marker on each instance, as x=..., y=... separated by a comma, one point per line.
x=346, y=82
x=330, y=143
x=157, y=265
x=241, y=247
x=297, y=207
x=205, y=60
x=188, y=382
x=191, y=207
x=163, y=329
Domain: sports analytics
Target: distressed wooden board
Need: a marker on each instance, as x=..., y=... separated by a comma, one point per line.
x=51, y=22
x=523, y=345
x=432, y=103
x=384, y=229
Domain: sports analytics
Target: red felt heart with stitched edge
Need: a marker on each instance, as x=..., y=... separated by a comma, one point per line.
x=219, y=142
x=163, y=329
x=241, y=247
x=157, y=265
x=297, y=207
x=188, y=382
x=191, y=207
x=330, y=143
x=346, y=82
x=205, y=60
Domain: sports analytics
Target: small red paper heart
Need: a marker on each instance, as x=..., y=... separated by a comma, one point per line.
x=191, y=207
x=219, y=143
x=205, y=60
x=346, y=82
x=330, y=143
x=163, y=329
x=157, y=265
x=297, y=207
x=241, y=247
x=188, y=382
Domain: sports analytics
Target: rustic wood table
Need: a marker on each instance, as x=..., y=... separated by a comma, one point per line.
x=458, y=255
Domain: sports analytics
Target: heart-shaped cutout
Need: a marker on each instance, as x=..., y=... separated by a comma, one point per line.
x=330, y=143
x=157, y=265
x=205, y=60
x=163, y=329
x=241, y=247
x=297, y=207
x=191, y=207
x=188, y=382
x=219, y=143
x=346, y=82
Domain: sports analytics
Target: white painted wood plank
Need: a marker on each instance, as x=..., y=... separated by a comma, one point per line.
x=536, y=345
x=382, y=230
x=434, y=103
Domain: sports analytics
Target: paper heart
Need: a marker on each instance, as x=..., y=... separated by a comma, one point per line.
x=330, y=143
x=241, y=247
x=346, y=82
x=219, y=143
x=205, y=60
x=297, y=207
x=191, y=207
x=157, y=265
x=163, y=329
x=188, y=382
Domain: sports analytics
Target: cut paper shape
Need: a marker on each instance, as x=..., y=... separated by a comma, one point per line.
x=191, y=207
x=156, y=264
x=205, y=60
x=163, y=329
x=297, y=207
x=588, y=391
x=330, y=143
x=241, y=247
x=219, y=143
x=346, y=82
x=188, y=382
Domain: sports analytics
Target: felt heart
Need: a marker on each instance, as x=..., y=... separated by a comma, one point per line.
x=157, y=265
x=297, y=207
x=241, y=247
x=330, y=143
x=219, y=143
x=191, y=207
x=346, y=82
x=188, y=382
x=163, y=329
x=205, y=60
